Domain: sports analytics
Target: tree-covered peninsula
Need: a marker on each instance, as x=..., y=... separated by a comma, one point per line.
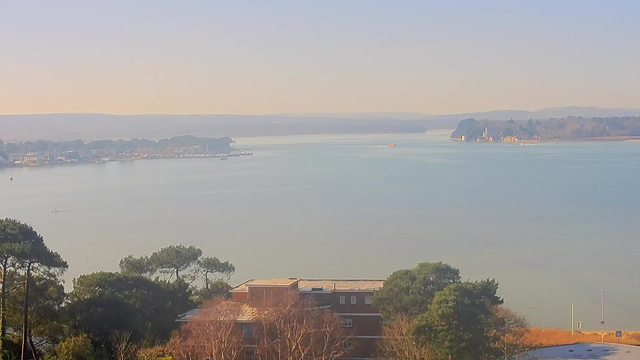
x=551, y=129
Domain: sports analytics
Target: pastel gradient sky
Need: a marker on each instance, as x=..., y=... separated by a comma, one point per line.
x=254, y=57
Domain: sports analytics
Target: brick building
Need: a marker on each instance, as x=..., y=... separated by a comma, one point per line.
x=350, y=299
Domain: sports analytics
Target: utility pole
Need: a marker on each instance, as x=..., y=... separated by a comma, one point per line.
x=571, y=318
x=602, y=314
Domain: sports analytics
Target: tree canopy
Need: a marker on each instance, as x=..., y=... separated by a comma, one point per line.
x=136, y=266
x=430, y=314
x=175, y=259
x=147, y=308
x=410, y=291
x=183, y=263
x=457, y=322
x=134, y=301
x=23, y=251
x=77, y=347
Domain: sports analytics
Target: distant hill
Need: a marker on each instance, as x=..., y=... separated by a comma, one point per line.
x=570, y=127
x=61, y=127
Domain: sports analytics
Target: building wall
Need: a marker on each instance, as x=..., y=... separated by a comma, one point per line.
x=348, y=307
x=320, y=297
x=363, y=348
x=365, y=318
x=240, y=296
x=364, y=325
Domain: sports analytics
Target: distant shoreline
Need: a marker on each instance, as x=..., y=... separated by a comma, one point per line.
x=128, y=159
x=591, y=139
x=554, y=129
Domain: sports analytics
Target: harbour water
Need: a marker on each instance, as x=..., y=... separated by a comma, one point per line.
x=553, y=223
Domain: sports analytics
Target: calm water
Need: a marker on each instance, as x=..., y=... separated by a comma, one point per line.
x=553, y=223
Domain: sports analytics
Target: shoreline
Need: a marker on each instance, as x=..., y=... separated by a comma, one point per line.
x=127, y=159
x=592, y=139
x=548, y=337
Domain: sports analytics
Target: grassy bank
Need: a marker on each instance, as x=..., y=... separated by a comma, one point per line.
x=538, y=337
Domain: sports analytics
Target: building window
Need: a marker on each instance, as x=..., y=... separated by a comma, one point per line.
x=347, y=323
x=347, y=344
x=247, y=330
x=249, y=354
x=343, y=300
x=367, y=300
x=353, y=300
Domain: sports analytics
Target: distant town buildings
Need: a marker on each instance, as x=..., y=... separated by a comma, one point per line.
x=33, y=158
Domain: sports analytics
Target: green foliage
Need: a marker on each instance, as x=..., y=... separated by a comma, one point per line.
x=29, y=247
x=12, y=348
x=75, y=348
x=104, y=302
x=46, y=308
x=441, y=314
x=410, y=291
x=211, y=265
x=216, y=288
x=457, y=322
x=100, y=316
x=101, y=303
x=137, y=266
x=185, y=263
x=175, y=259
x=23, y=249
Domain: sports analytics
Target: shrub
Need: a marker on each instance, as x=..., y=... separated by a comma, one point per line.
x=75, y=348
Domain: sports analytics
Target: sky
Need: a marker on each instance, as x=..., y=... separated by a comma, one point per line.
x=257, y=57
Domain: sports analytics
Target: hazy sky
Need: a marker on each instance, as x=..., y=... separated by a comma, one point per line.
x=316, y=56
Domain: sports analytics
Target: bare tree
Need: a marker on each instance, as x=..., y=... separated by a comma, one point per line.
x=178, y=349
x=398, y=342
x=213, y=333
x=509, y=331
x=123, y=347
x=151, y=352
x=297, y=329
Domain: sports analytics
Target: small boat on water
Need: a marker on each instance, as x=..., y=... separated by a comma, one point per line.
x=224, y=158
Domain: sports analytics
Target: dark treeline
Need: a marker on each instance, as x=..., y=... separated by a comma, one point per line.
x=105, y=310
x=428, y=312
x=212, y=144
x=556, y=128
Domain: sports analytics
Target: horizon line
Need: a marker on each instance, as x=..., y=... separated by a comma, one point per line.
x=319, y=113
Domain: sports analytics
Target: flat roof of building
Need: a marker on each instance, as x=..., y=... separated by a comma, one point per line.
x=340, y=285
x=586, y=351
x=248, y=314
x=315, y=284
x=271, y=282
